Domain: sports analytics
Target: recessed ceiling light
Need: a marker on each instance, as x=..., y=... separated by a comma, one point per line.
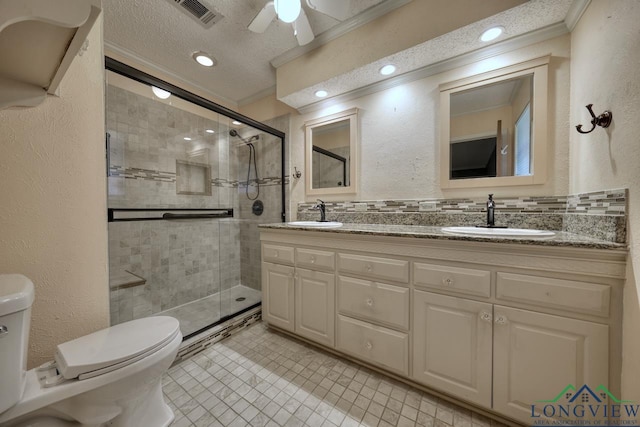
x=204, y=59
x=160, y=93
x=186, y=138
x=237, y=123
x=210, y=131
x=491, y=34
x=388, y=69
x=321, y=93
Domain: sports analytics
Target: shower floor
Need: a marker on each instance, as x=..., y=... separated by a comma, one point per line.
x=201, y=313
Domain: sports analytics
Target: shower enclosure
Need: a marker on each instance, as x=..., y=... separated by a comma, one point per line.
x=189, y=182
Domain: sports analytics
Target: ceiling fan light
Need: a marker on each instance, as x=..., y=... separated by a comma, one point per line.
x=287, y=10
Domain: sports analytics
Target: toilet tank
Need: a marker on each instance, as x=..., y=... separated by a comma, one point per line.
x=16, y=297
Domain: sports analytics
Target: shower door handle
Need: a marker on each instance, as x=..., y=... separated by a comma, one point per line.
x=170, y=216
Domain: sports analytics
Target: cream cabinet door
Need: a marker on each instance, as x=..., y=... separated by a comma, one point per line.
x=315, y=306
x=452, y=345
x=537, y=355
x=277, y=295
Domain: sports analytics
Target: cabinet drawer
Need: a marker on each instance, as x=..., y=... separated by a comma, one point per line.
x=373, y=301
x=278, y=254
x=569, y=295
x=374, y=267
x=380, y=346
x=315, y=259
x=455, y=279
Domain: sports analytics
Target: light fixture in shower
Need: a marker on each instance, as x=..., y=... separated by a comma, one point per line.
x=160, y=93
x=491, y=34
x=321, y=93
x=204, y=59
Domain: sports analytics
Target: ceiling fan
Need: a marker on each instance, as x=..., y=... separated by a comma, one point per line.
x=291, y=11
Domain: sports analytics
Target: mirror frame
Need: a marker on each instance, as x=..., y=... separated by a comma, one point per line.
x=352, y=116
x=539, y=68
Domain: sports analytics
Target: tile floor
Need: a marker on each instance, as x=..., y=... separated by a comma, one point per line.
x=200, y=313
x=258, y=377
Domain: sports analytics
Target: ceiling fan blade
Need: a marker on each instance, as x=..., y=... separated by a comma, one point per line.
x=338, y=9
x=263, y=18
x=302, y=29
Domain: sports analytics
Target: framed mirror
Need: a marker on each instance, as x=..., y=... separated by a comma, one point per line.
x=331, y=154
x=494, y=127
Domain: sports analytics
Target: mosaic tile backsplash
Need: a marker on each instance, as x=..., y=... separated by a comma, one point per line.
x=600, y=214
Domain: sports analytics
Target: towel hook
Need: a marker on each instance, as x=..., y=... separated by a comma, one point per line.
x=603, y=120
x=297, y=174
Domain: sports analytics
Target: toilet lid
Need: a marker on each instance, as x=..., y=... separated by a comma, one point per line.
x=118, y=345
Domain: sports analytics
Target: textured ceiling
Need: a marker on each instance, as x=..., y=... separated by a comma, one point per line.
x=158, y=32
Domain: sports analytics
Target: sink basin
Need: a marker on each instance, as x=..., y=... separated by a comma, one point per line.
x=316, y=224
x=499, y=232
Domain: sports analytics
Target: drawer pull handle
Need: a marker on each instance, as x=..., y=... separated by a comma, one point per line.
x=369, y=268
x=369, y=302
x=486, y=316
x=447, y=281
x=502, y=319
x=368, y=345
x=313, y=259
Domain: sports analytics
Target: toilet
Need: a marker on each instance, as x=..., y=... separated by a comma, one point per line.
x=111, y=377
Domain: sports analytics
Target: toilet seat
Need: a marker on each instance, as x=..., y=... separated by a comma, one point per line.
x=141, y=364
x=115, y=347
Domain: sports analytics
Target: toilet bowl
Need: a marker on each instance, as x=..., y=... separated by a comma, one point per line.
x=110, y=377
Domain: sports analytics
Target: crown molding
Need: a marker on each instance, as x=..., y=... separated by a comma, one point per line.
x=161, y=72
x=339, y=30
x=256, y=96
x=575, y=13
x=499, y=48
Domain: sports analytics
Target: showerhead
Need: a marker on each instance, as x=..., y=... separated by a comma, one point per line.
x=235, y=133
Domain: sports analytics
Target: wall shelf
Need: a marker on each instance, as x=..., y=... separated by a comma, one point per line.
x=38, y=41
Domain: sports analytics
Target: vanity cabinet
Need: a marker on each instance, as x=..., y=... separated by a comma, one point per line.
x=295, y=297
x=278, y=295
x=496, y=325
x=452, y=345
x=535, y=354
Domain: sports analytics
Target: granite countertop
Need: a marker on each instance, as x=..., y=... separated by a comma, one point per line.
x=561, y=238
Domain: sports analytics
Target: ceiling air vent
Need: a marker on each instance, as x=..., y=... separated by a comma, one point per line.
x=197, y=10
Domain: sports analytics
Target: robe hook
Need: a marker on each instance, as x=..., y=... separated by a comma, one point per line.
x=603, y=120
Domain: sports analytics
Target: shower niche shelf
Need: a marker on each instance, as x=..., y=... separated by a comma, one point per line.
x=38, y=41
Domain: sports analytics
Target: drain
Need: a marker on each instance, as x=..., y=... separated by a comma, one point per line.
x=240, y=299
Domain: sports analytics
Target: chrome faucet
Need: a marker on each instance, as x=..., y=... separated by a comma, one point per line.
x=323, y=210
x=491, y=207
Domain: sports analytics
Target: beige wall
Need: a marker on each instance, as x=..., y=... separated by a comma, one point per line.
x=405, y=27
x=604, y=71
x=399, y=134
x=266, y=108
x=53, y=205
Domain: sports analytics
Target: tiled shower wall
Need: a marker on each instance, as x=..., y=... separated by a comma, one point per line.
x=182, y=261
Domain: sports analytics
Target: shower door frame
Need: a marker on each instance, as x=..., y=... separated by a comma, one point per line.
x=142, y=77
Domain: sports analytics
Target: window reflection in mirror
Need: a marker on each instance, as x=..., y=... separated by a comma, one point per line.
x=331, y=154
x=493, y=127
x=490, y=130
